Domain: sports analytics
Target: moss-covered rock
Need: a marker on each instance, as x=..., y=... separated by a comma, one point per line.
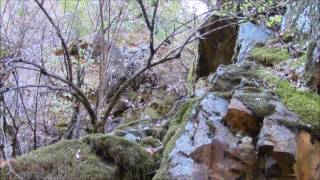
x=257, y=100
x=120, y=133
x=132, y=161
x=305, y=103
x=150, y=141
x=131, y=124
x=132, y=114
x=224, y=95
x=151, y=113
x=94, y=157
x=176, y=127
x=59, y=161
x=62, y=126
x=268, y=56
x=228, y=78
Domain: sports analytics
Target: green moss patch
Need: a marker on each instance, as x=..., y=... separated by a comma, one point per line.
x=305, y=103
x=152, y=113
x=150, y=141
x=96, y=156
x=132, y=161
x=59, y=161
x=131, y=94
x=223, y=94
x=268, y=56
x=131, y=123
x=256, y=99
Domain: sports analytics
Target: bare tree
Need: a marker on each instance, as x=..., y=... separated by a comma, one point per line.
x=108, y=24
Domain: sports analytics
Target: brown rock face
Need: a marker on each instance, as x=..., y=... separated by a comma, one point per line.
x=312, y=69
x=225, y=162
x=201, y=153
x=303, y=19
x=308, y=157
x=267, y=147
x=247, y=108
x=239, y=117
x=218, y=46
x=277, y=144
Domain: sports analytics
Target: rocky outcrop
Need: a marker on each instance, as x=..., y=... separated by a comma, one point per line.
x=247, y=108
x=303, y=20
x=312, y=68
x=241, y=136
x=249, y=35
x=277, y=144
x=217, y=45
x=308, y=156
x=241, y=118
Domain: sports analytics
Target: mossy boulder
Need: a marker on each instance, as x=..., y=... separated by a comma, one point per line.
x=156, y=105
x=304, y=103
x=257, y=99
x=132, y=161
x=228, y=78
x=241, y=119
x=59, y=161
x=268, y=56
x=150, y=142
x=94, y=157
x=132, y=114
x=177, y=125
x=150, y=113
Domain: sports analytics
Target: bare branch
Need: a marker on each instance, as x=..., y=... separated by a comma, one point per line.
x=68, y=63
x=78, y=92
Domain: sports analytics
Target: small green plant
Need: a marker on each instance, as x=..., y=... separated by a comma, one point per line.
x=274, y=21
x=259, y=5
